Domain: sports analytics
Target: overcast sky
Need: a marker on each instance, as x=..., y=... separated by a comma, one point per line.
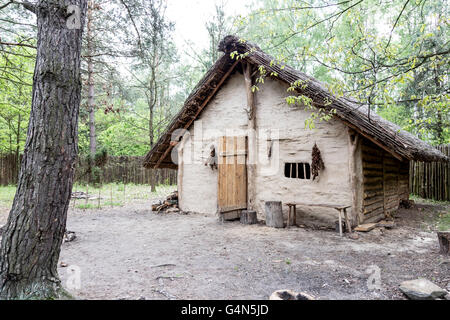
x=191, y=16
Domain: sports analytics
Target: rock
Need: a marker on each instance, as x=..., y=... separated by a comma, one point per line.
x=447, y=296
x=63, y=264
x=69, y=236
x=353, y=236
x=290, y=295
x=421, y=289
x=1, y=230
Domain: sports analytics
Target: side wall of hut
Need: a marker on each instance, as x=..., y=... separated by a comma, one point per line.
x=385, y=182
x=289, y=141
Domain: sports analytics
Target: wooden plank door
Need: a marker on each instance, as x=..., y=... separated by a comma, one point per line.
x=232, y=190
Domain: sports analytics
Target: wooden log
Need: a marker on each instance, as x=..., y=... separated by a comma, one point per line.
x=251, y=134
x=444, y=242
x=370, y=194
x=368, y=158
x=374, y=212
x=248, y=217
x=366, y=227
x=274, y=214
x=372, y=207
x=373, y=200
x=373, y=180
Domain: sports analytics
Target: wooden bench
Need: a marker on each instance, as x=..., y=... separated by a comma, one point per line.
x=339, y=207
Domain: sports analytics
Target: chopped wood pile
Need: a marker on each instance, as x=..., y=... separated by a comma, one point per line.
x=170, y=204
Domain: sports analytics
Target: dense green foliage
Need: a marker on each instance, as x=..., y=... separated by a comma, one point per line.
x=392, y=56
x=16, y=76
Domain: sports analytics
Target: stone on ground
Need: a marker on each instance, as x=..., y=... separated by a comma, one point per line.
x=290, y=295
x=365, y=227
x=422, y=289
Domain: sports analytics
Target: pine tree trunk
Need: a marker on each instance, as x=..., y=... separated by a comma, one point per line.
x=91, y=101
x=33, y=234
x=152, y=171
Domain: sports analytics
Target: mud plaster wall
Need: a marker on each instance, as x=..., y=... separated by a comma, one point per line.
x=282, y=127
x=224, y=115
x=295, y=143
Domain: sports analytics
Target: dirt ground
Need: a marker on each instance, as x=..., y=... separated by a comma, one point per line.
x=130, y=252
x=133, y=253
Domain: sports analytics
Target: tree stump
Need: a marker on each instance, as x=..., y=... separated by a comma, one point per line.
x=248, y=217
x=274, y=214
x=444, y=241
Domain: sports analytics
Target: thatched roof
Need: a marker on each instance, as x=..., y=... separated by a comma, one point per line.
x=385, y=134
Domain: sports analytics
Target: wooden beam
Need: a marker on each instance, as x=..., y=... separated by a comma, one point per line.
x=251, y=129
x=199, y=110
x=393, y=153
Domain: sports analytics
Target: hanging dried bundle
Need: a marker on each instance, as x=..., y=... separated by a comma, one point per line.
x=212, y=159
x=317, y=162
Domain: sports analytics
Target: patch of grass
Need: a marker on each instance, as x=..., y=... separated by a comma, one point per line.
x=440, y=213
x=112, y=204
x=444, y=221
x=287, y=261
x=418, y=199
x=7, y=196
x=85, y=206
x=117, y=194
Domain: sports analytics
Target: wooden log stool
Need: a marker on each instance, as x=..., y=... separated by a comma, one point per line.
x=274, y=214
x=248, y=217
x=292, y=214
x=444, y=241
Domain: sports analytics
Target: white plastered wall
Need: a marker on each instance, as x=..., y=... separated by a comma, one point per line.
x=224, y=115
x=283, y=128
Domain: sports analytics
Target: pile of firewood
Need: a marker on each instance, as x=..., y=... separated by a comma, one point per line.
x=171, y=202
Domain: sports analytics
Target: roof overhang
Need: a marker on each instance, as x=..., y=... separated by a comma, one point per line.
x=388, y=136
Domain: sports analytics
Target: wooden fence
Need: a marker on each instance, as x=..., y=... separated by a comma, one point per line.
x=118, y=169
x=9, y=169
x=431, y=180
x=427, y=180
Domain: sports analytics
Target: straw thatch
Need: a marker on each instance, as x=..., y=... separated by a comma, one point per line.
x=385, y=134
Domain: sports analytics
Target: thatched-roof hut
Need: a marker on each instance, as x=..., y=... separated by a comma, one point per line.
x=264, y=151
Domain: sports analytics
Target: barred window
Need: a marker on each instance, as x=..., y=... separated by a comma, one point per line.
x=297, y=170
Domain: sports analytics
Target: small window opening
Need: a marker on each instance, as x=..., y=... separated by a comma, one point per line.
x=297, y=170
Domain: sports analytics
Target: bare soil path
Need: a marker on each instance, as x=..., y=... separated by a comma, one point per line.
x=130, y=252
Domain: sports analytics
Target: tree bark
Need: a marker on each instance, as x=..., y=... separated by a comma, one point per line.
x=33, y=234
x=91, y=92
x=152, y=171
